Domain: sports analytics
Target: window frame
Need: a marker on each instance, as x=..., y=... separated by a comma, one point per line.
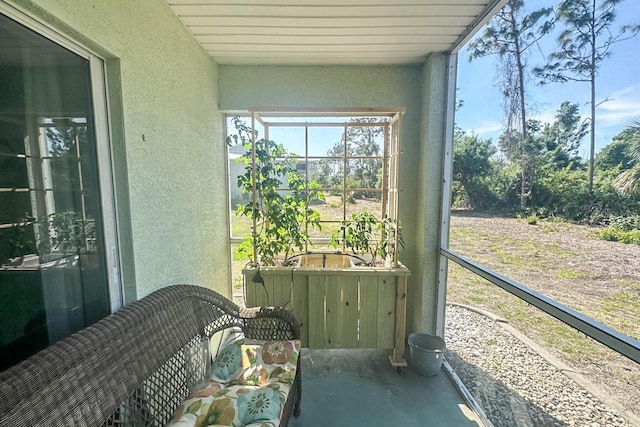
x=309, y=118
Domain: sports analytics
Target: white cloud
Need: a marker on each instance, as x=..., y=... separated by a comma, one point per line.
x=622, y=107
x=546, y=117
x=487, y=128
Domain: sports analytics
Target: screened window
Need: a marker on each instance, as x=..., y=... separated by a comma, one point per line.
x=352, y=158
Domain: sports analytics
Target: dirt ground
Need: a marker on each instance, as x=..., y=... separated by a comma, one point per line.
x=567, y=263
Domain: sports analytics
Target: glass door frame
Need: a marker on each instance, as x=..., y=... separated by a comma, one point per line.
x=102, y=135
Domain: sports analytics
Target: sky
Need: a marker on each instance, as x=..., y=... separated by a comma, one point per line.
x=618, y=83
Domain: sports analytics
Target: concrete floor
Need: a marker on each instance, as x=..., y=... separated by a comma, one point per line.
x=360, y=388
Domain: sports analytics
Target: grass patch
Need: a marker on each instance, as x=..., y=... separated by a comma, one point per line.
x=554, y=227
x=571, y=343
x=562, y=339
x=521, y=255
x=627, y=283
x=622, y=309
x=532, y=219
x=569, y=274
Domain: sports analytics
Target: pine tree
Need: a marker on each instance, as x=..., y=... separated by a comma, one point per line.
x=510, y=35
x=583, y=46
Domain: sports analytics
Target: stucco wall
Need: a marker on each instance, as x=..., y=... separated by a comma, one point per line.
x=243, y=87
x=167, y=136
x=432, y=137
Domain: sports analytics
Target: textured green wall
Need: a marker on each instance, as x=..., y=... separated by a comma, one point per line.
x=432, y=137
x=421, y=91
x=167, y=137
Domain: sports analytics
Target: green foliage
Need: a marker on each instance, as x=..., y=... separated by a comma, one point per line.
x=562, y=138
x=625, y=229
x=16, y=241
x=356, y=232
x=615, y=235
x=70, y=232
x=362, y=141
x=363, y=233
x=616, y=156
x=532, y=219
x=577, y=58
x=628, y=181
x=510, y=35
x=471, y=167
x=625, y=223
x=560, y=192
x=281, y=217
x=582, y=47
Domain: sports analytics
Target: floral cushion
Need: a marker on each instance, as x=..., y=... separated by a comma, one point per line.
x=256, y=363
x=236, y=405
x=272, y=361
x=251, y=382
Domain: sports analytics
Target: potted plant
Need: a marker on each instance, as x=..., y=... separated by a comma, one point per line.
x=338, y=306
x=15, y=243
x=281, y=219
x=69, y=234
x=371, y=241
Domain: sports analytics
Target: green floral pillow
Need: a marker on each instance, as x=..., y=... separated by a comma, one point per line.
x=227, y=363
x=236, y=406
x=258, y=405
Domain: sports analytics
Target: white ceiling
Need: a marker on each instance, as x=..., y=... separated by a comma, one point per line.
x=329, y=31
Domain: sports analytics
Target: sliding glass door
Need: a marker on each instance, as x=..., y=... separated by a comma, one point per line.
x=55, y=264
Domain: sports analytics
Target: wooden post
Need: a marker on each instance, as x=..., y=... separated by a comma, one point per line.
x=397, y=358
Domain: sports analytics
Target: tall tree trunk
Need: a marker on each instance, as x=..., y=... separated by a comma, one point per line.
x=592, y=147
x=523, y=114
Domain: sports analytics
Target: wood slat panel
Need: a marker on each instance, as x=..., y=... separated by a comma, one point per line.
x=348, y=312
x=368, y=313
x=250, y=290
x=282, y=290
x=265, y=294
x=325, y=11
x=300, y=306
x=386, y=311
x=316, y=312
x=332, y=321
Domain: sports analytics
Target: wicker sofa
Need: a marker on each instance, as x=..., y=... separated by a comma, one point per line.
x=132, y=368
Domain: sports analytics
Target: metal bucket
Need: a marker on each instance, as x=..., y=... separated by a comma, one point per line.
x=426, y=352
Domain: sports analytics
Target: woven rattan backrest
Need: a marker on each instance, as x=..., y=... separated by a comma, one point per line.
x=131, y=363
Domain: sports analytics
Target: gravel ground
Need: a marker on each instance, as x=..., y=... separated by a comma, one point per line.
x=512, y=383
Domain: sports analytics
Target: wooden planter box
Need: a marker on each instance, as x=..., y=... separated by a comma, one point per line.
x=338, y=307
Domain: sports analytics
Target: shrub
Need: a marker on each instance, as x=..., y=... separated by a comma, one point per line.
x=532, y=219
x=613, y=234
x=625, y=223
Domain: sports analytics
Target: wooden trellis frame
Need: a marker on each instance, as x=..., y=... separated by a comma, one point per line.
x=390, y=156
